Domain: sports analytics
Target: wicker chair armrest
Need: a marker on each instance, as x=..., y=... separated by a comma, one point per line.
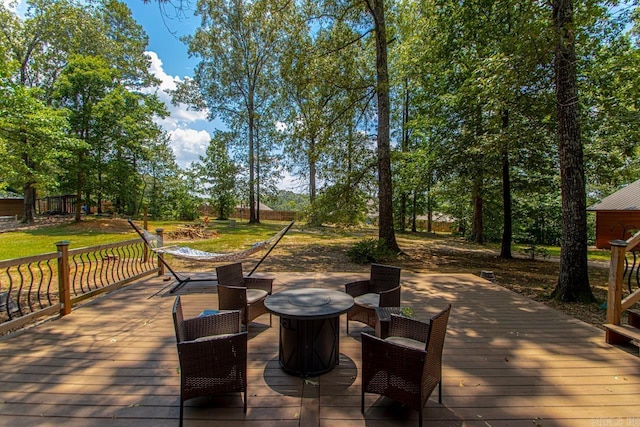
x=265, y=284
x=400, y=326
x=217, y=324
x=390, y=298
x=212, y=356
x=232, y=297
x=379, y=355
x=355, y=289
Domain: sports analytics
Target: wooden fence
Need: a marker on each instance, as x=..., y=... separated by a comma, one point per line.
x=56, y=205
x=243, y=214
x=49, y=284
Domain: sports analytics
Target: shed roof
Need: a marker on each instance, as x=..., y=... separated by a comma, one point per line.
x=8, y=194
x=625, y=199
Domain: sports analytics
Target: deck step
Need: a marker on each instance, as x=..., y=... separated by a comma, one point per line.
x=621, y=334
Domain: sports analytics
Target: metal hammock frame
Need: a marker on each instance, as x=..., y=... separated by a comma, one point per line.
x=185, y=252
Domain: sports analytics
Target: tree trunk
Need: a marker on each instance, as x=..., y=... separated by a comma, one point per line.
x=29, y=190
x=478, y=226
x=252, y=193
x=402, y=213
x=312, y=170
x=573, y=279
x=405, y=148
x=414, y=213
x=29, y=201
x=507, y=232
x=78, y=210
x=257, y=173
x=99, y=208
x=385, y=190
x=313, y=220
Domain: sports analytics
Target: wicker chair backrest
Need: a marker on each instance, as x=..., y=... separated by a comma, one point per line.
x=384, y=277
x=178, y=320
x=435, y=342
x=230, y=275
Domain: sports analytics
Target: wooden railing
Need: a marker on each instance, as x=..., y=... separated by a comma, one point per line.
x=47, y=284
x=622, y=271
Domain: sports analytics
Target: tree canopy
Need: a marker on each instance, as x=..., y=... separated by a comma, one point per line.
x=509, y=117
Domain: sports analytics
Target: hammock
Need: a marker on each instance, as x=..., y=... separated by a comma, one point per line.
x=188, y=253
x=185, y=252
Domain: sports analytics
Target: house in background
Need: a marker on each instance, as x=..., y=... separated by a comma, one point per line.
x=11, y=204
x=618, y=215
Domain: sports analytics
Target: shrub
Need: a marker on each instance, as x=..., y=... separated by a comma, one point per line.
x=370, y=250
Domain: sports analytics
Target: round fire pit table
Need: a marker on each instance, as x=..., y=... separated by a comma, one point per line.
x=309, y=328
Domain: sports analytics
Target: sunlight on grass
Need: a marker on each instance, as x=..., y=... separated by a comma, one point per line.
x=19, y=244
x=227, y=237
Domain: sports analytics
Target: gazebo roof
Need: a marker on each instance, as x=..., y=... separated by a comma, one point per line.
x=625, y=199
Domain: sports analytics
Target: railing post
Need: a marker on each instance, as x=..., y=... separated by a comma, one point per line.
x=64, y=288
x=160, y=242
x=616, y=273
x=145, y=258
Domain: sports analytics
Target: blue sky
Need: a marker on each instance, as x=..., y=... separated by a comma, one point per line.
x=190, y=131
x=164, y=31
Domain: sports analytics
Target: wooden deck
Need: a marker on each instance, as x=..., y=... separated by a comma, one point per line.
x=507, y=361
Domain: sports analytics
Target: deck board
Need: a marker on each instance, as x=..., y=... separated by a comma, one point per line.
x=507, y=361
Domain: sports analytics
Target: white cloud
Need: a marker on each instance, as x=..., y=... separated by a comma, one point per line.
x=187, y=142
x=188, y=139
x=289, y=182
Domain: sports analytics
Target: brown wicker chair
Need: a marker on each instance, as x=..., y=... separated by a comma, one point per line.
x=382, y=289
x=247, y=294
x=213, y=355
x=406, y=366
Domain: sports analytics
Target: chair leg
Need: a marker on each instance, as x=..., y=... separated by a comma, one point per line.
x=245, y=399
x=420, y=418
x=440, y=392
x=362, y=401
x=181, y=411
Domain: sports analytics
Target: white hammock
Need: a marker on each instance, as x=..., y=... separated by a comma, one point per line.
x=188, y=253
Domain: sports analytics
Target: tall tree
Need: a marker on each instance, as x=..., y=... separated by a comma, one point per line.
x=326, y=92
x=160, y=172
x=238, y=43
x=127, y=132
x=217, y=174
x=33, y=141
x=32, y=44
x=386, y=231
x=82, y=85
x=573, y=278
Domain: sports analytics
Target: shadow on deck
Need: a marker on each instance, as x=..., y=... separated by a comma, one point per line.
x=507, y=361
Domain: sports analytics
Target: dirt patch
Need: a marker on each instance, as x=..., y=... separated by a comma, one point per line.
x=40, y=221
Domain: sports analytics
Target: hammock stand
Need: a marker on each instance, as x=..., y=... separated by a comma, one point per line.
x=185, y=252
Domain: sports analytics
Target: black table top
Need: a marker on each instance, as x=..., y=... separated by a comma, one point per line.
x=309, y=303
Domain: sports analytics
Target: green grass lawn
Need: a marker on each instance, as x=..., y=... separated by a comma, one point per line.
x=94, y=231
